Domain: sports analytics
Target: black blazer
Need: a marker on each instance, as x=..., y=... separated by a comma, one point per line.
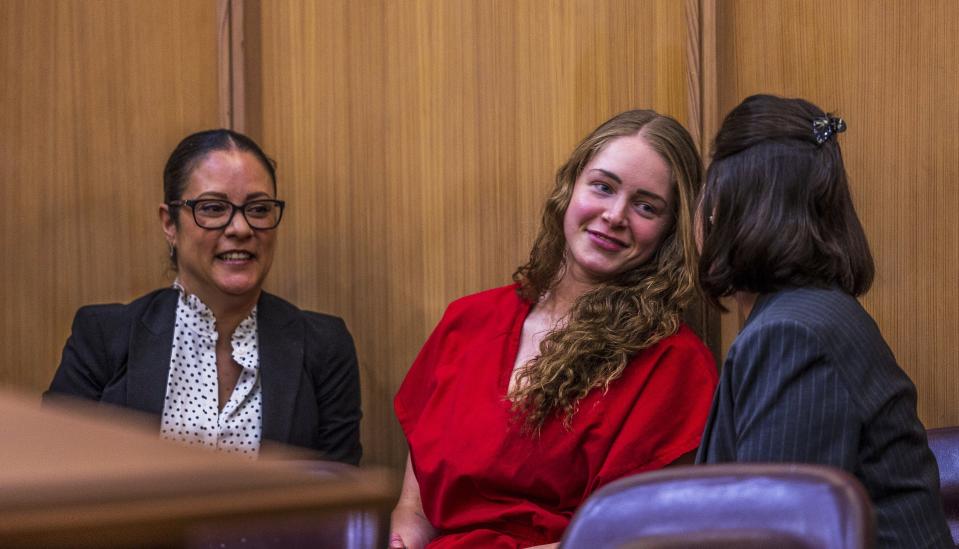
x=120, y=354
x=810, y=379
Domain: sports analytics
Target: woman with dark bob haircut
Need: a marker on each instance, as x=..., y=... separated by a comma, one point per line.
x=809, y=378
x=221, y=363
x=527, y=398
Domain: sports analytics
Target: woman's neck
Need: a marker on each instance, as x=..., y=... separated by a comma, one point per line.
x=229, y=311
x=563, y=295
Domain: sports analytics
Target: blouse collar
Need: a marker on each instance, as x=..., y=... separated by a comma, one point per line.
x=244, y=340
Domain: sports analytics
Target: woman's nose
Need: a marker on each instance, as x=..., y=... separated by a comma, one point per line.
x=239, y=226
x=615, y=214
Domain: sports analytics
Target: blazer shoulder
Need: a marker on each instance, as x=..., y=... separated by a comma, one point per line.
x=325, y=325
x=114, y=316
x=780, y=322
x=315, y=323
x=100, y=343
x=810, y=329
x=822, y=311
x=808, y=305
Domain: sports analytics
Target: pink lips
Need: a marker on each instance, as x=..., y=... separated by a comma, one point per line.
x=606, y=242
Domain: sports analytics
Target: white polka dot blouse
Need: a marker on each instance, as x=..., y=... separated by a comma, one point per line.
x=190, y=410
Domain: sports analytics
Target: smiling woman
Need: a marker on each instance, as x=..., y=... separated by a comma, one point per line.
x=223, y=364
x=620, y=210
x=529, y=397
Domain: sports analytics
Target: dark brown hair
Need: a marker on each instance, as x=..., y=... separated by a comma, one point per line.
x=782, y=215
x=609, y=324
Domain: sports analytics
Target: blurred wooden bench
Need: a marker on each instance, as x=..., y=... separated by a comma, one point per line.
x=70, y=477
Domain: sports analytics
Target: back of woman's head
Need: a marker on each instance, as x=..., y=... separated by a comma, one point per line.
x=776, y=211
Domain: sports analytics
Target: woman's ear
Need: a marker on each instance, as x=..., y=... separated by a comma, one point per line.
x=168, y=224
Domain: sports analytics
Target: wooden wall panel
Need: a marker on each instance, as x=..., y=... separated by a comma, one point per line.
x=417, y=139
x=891, y=69
x=93, y=97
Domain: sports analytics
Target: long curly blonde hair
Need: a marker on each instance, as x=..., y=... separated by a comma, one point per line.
x=609, y=324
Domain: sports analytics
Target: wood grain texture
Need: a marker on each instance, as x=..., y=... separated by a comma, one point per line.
x=231, y=77
x=891, y=69
x=700, y=25
x=94, y=96
x=418, y=138
x=85, y=476
x=416, y=143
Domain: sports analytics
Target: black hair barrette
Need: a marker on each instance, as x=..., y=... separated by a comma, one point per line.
x=827, y=126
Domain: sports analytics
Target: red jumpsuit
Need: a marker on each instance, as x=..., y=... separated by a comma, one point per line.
x=485, y=483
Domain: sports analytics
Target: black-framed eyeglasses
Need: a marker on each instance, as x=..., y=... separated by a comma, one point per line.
x=212, y=213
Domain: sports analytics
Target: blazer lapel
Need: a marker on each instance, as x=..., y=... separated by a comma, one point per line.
x=281, y=364
x=151, y=343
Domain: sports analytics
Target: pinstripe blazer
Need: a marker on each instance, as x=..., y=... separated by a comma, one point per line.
x=810, y=379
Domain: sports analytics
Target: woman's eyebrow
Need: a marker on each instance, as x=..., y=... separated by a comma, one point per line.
x=212, y=194
x=652, y=195
x=223, y=196
x=609, y=174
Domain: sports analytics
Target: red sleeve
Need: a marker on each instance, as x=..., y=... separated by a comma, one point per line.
x=420, y=380
x=668, y=414
x=464, y=319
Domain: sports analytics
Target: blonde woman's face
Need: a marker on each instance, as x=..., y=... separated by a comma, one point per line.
x=619, y=212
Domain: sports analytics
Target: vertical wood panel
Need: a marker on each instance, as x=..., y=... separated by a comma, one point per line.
x=892, y=71
x=94, y=96
x=417, y=140
x=700, y=24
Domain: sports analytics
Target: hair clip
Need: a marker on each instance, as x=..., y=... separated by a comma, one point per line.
x=825, y=127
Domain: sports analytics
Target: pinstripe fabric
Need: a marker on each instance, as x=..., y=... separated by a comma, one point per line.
x=810, y=379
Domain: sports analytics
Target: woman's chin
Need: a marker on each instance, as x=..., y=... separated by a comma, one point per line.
x=240, y=287
x=596, y=272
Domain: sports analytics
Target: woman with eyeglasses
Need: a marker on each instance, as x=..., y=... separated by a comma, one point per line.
x=223, y=364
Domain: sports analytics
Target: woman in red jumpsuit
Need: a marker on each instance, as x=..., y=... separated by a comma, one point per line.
x=527, y=398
